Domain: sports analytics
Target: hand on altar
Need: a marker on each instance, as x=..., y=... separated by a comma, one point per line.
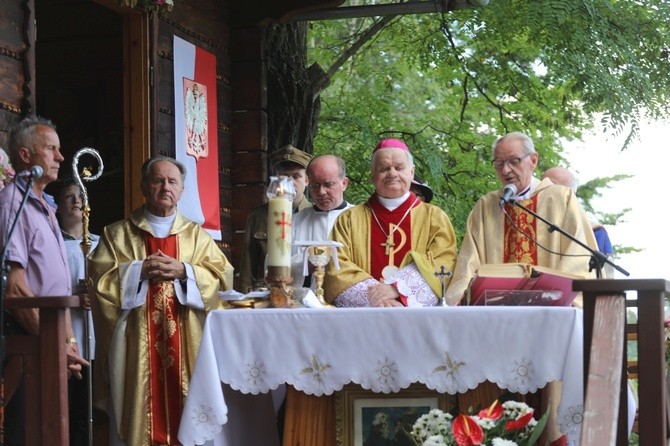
x=383, y=295
x=159, y=266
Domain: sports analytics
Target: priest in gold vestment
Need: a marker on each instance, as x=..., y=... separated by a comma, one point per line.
x=155, y=275
x=393, y=244
x=505, y=233
x=496, y=234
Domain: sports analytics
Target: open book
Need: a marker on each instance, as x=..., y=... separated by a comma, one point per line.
x=520, y=284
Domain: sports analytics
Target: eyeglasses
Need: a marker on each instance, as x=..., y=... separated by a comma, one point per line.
x=512, y=162
x=326, y=185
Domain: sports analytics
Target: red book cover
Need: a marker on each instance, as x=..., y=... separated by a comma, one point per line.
x=520, y=284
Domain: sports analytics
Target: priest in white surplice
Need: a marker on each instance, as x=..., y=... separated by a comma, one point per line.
x=327, y=182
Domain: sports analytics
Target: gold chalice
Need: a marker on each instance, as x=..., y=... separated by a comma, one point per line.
x=319, y=256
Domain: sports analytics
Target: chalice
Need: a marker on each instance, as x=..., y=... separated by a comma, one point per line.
x=319, y=256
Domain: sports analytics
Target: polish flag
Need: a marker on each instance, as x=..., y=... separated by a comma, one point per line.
x=196, y=137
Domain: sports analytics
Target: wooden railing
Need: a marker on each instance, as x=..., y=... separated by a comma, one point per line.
x=41, y=363
x=605, y=360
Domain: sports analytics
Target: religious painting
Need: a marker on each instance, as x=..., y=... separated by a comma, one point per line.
x=365, y=418
x=196, y=134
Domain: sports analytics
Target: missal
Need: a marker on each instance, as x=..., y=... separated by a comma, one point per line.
x=520, y=284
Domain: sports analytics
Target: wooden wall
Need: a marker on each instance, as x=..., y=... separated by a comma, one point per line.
x=14, y=57
x=229, y=29
x=249, y=141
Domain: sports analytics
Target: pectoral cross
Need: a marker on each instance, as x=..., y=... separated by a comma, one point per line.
x=388, y=244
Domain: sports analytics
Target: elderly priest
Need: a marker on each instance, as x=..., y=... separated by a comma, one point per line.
x=155, y=275
x=393, y=244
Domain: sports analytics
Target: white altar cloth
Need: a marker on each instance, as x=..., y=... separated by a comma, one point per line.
x=449, y=349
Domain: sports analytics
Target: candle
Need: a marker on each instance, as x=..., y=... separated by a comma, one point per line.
x=280, y=210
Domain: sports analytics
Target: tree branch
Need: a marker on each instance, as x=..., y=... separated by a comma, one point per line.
x=322, y=82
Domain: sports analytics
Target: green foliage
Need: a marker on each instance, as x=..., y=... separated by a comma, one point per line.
x=593, y=189
x=449, y=84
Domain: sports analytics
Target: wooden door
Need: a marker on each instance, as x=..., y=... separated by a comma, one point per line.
x=91, y=74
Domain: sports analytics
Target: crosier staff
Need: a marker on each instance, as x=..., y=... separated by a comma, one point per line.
x=86, y=244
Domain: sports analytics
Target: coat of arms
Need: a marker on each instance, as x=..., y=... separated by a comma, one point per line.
x=195, y=112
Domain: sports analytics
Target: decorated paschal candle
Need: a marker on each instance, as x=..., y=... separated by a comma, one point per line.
x=280, y=212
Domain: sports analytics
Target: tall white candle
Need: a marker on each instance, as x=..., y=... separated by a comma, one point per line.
x=279, y=231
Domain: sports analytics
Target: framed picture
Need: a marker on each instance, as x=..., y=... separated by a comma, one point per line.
x=365, y=418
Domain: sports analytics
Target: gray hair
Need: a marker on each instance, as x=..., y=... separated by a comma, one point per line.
x=342, y=168
x=563, y=176
x=24, y=134
x=148, y=164
x=410, y=158
x=528, y=145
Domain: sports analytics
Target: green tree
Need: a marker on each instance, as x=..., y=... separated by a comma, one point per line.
x=450, y=83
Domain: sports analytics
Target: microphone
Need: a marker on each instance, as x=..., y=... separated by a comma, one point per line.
x=34, y=172
x=508, y=192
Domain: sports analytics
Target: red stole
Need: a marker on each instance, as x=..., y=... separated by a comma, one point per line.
x=385, y=250
x=517, y=247
x=165, y=358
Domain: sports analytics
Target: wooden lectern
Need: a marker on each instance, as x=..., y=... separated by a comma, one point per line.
x=40, y=361
x=605, y=353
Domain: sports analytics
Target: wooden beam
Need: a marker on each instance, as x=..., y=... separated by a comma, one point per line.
x=601, y=405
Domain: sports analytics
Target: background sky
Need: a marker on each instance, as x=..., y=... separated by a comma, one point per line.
x=647, y=194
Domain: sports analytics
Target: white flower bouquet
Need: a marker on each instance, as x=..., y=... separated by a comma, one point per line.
x=506, y=424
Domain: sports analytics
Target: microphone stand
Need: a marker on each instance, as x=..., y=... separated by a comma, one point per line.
x=598, y=259
x=4, y=273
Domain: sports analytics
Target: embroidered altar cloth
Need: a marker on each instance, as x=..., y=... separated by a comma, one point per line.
x=318, y=351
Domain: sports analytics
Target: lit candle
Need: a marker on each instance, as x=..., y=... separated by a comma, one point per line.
x=280, y=216
x=279, y=231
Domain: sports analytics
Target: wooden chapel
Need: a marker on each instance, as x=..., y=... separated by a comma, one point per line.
x=103, y=73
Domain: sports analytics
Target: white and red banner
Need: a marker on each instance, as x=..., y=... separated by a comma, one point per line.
x=196, y=138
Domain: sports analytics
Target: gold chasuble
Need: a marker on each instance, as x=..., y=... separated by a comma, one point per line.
x=491, y=237
x=146, y=350
x=390, y=234
x=374, y=238
x=165, y=366
x=517, y=246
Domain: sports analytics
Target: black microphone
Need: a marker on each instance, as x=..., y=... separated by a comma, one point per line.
x=34, y=172
x=508, y=192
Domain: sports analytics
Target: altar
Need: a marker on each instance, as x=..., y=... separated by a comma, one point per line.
x=248, y=352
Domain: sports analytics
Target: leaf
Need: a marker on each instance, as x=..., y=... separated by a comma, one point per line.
x=539, y=428
x=450, y=84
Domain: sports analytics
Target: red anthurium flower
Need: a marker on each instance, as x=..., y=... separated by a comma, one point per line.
x=466, y=431
x=519, y=422
x=493, y=412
